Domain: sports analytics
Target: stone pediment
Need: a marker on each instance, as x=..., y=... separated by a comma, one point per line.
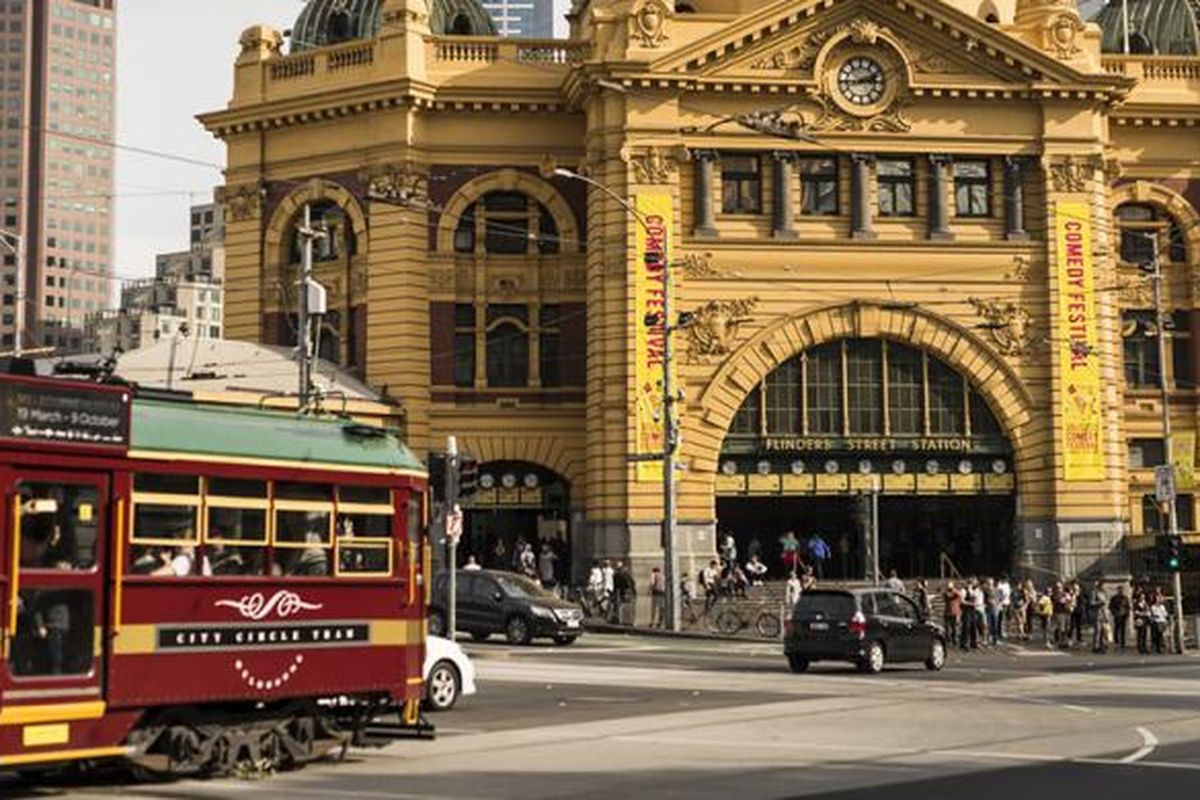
x=936, y=43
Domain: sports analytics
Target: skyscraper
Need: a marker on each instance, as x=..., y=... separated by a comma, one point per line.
x=57, y=91
x=530, y=19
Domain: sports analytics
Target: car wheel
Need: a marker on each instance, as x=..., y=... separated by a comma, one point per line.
x=517, y=630
x=480, y=636
x=437, y=623
x=872, y=662
x=797, y=663
x=443, y=686
x=563, y=641
x=937, y=656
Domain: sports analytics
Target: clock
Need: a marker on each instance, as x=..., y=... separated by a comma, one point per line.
x=861, y=81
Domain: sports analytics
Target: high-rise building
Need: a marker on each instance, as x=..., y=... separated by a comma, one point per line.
x=57, y=93
x=525, y=18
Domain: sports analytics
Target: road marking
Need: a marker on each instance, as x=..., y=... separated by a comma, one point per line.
x=1149, y=742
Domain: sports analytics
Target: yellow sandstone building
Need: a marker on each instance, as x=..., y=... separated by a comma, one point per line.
x=912, y=238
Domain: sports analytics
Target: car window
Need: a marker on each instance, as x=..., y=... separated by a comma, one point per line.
x=485, y=589
x=816, y=605
x=522, y=588
x=885, y=605
x=463, y=585
x=867, y=604
x=906, y=608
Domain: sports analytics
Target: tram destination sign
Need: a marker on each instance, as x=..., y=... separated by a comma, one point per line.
x=64, y=414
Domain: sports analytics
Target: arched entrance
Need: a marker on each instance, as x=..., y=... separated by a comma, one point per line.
x=518, y=502
x=852, y=417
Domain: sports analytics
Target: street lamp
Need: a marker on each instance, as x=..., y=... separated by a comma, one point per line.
x=669, y=400
x=15, y=244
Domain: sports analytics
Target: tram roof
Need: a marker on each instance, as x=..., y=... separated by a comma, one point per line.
x=253, y=436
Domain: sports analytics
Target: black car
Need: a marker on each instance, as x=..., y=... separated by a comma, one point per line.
x=867, y=627
x=504, y=602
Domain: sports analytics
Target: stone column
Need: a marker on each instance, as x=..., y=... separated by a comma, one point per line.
x=860, y=197
x=939, y=211
x=706, y=221
x=783, y=213
x=1014, y=199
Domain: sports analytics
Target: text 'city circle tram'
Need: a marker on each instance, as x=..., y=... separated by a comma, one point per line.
x=197, y=588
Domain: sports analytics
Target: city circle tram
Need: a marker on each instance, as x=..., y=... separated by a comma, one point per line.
x=197, y=587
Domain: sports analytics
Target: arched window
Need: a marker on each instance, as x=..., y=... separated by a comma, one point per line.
x=460, y=26
x=507, y=223
x=1140, y=44
x=339, y=26
x=1145, y=228
x=508, y=346
x=328, y=217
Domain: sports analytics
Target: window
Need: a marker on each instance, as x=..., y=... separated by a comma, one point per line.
x=165, y=534
x=1154, y=520
x=364, y=531
x=510, y=223
x=1179, y=341
x=507, y=354
x=747, y=420
x=1144, y=453
x=864, y=385
x=1142, y=228
x=906, y=391
x=818, y=186
x=1141, y=349
x=783, y=398
x=824, y=368
x=235, y=536
x=741, y=185
x=58, y=526
x=328, y=217
x=464, y=345
x=303, y=528
x=897, y=187
x=946, y=400
x=972, y=188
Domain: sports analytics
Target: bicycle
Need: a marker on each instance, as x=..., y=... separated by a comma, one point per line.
x=766, y=622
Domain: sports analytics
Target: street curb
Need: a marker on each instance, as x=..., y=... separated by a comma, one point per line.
x=659, y=633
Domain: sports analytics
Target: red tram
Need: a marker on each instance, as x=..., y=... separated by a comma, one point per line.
x=194, y=587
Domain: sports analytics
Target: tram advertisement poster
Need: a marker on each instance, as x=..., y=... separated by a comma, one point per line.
x=1082, y=412
x=653, y=235
x=58, y=413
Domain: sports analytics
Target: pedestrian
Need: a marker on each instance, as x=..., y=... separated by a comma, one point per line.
x=1078, y=612
x=1019, y=610
x=1045, y=611
x=1158, y=623
x=808, y=581
x=658, y=598
x=1098, y=614
x=756, y=571
x=625, y=587
x=818, y=553
x=1004, y=595
x=546, y=568
x=972, y=598
x=792, y=591
x=472, y=565
x=710, y=577
x=528, y=561
x=893, y=582
x=1063, y=605
x=952, y=611
x=1141, y=621
x=921, y=595
x=789, y=545
x=614, y=585
x=1119, y=608
x=595, y=590
x=991, y=607
x=728, y=548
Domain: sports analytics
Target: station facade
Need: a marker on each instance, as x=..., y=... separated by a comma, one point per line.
x=910, y=236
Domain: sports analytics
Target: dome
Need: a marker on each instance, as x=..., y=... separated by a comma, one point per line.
x=1161, y=27
x=324, y=22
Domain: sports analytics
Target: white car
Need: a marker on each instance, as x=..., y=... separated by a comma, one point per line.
x=449, y=674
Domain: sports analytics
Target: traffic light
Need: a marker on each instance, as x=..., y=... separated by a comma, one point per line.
x=1173, y=554
x=437, y=476
x=468, y=476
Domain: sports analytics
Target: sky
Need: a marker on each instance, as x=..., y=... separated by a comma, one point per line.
x=175, y=60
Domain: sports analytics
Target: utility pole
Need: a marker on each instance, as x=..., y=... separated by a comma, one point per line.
x=15, y=244
x=670, y=443
x=1161, y=323
x=303, y=334
x=453, y=516
x=875, y=488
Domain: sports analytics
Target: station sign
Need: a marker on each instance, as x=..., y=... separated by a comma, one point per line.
x=59, y=412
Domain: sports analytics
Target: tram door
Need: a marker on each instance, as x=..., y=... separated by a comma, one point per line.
x=53, y=610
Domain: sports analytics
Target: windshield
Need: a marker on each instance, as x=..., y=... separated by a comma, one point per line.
x=824, y=606
x=521, y=587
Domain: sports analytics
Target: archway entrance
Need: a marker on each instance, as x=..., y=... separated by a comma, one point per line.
x=856, y=418
x=518, y=503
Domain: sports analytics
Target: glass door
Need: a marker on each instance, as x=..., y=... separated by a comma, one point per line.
x=56, y=589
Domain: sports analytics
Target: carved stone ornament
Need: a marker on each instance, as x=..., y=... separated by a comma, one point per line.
x=262, y=40
x=713, y=330
x=1134, y=290
x=1021, y=272
x=1009, y=325
x=1062, y=35
x=648, y=24
x=1071, y=174
x=242, y=203
x=698, y=266
x=833, y=117
x=653, y=164
x=796, y=56
x=398, y=184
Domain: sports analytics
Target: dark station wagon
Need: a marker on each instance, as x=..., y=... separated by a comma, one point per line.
x=867, y=627
x=491, y=602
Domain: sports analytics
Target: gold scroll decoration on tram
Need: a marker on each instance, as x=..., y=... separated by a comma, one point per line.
x=1081, y=390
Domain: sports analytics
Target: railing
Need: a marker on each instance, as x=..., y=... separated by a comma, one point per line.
x=327, y=60
x=1153, y=68
x=527, y=51
x=356, y=56
x=293, y=67
x=947, y=567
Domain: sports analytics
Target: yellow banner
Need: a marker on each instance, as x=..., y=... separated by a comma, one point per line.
x=653, y=255
x=1082, y=406
x=1183, y=456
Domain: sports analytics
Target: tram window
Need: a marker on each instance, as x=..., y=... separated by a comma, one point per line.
x=164, y=524
x=286, y=490
x=364, y=534
x=233, y=542
x=55, y=633
x=365, y=494
x=234, y=487
x=58, y=526
x=364, y=526
x=166, y=484
x=415, y=517
x=302, y=542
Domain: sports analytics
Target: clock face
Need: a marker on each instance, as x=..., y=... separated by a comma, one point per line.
x=860, y=81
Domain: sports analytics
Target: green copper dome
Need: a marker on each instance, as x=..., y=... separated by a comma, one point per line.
x=1160, y=27
x=324, y=22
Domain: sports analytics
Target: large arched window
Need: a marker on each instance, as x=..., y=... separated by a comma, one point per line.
x=338, y=234
x=507, y=346
x=506, y=223
x=864, y=387
x=1142, y=226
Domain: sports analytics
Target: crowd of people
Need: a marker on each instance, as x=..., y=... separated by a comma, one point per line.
x=986, y=612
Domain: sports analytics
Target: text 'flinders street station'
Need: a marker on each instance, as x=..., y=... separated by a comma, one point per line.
x=917, y=246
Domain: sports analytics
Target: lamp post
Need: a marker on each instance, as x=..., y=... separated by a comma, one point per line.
x=15, y=244
x=670, y=399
